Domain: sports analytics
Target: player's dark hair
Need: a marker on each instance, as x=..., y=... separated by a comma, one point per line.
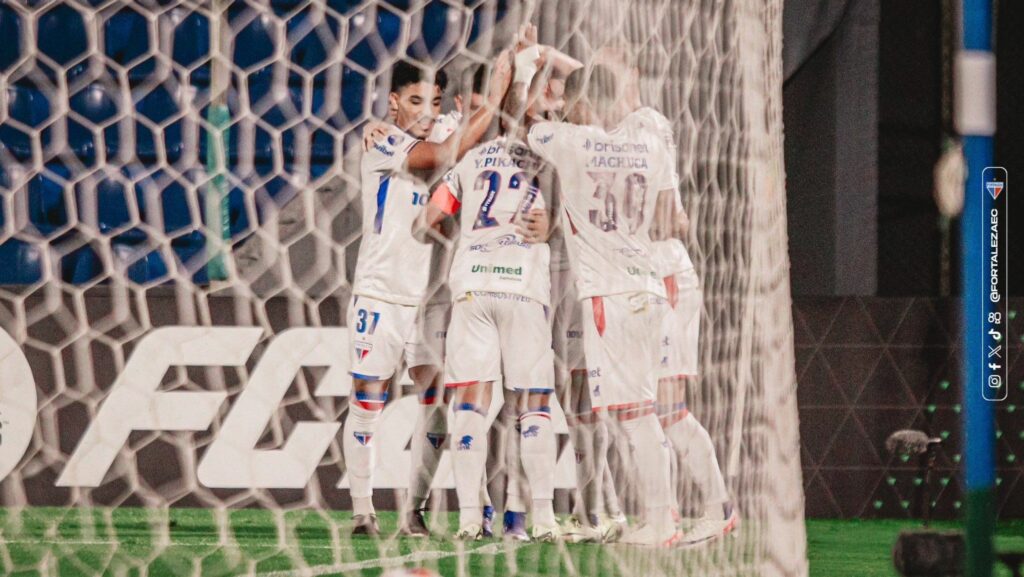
x=404, y=73
x=479, y=76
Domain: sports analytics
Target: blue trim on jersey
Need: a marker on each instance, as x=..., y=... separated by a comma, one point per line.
x=363, y=377
x=382, y=198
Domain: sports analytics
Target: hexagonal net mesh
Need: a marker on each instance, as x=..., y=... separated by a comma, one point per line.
x=181, y=216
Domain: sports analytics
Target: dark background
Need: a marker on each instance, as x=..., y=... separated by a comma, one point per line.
x=866, y=101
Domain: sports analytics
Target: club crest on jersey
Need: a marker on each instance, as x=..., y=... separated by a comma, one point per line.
x=394, y=139
x=531, y=431
x=466, y=443
x=362, y=349
x=363, y=438
x=436, y=439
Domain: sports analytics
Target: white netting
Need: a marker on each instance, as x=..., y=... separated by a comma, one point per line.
x=180, y=186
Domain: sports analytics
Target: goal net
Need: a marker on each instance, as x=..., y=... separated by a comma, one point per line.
x=181, y=219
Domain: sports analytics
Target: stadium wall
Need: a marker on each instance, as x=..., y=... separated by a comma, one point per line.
x=866, y=367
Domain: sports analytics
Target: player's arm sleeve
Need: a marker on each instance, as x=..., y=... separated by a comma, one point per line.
x=447, y=195
x=545, y=138
x=389, y=154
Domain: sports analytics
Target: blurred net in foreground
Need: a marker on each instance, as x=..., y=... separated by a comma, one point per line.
x=180, y=214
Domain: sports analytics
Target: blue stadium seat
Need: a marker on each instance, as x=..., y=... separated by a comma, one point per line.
x=374, y=44
x=10, y=31
x=191, y=36
x=47, y=202
x=256, y=39
x=343, y=7
x=106, y=199
x=353, y=95
x=158, y=104
x=125, y=36
x=81, y=266
x=439, y=33
x=314, y=48
x=98, y=102
x=61, y=34
x=20, y=262
x=142, y=263
x=27, y=104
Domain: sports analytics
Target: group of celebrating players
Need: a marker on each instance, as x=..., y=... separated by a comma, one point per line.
x=547, y=258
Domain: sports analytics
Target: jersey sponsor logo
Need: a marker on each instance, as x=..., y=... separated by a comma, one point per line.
x=363, y=437
x=637, y=271
x=383, y=149
x=500, y=242
x=574, y=334
x=617, y=147
x=630, y=252
x=547, y=138
x=493, y=269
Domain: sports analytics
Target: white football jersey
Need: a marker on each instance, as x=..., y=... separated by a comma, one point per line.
x=393, y=266
x=609, y=184
x=491, y=186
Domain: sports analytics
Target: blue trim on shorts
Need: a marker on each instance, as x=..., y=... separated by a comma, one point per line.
x=363, y=377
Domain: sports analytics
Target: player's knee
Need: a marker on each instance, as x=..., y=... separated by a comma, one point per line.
x=368, y=401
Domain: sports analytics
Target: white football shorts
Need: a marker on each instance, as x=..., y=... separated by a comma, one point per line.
x=496, y=335
x=380, y=334
x=567, y=325
x=680, y=328
x=621, y=338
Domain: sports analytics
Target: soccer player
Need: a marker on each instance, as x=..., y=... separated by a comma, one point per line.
x=431, y=429
x=616, y=179
x=393, y=268
x=680, y=333
x=500, y=317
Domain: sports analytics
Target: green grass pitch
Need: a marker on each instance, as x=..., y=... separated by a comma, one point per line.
x=129, y=541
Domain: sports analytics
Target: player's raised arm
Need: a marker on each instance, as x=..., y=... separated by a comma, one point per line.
x=430, y=155
x=444, y=202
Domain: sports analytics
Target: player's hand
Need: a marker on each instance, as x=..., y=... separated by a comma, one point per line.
x=501, y=77
x=526, y=37
x=374, y=131
x=534, y=226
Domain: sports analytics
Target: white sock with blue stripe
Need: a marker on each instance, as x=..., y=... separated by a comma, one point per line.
x=469, y=459
x=539, y=452
x=360, y=450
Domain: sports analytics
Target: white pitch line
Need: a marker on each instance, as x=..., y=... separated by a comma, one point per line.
x=414, y=557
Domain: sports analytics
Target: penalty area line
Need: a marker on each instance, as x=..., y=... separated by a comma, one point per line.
x=390, y=562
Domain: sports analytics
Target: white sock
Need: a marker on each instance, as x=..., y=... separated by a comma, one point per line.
x=516, y=487
x=585, y=440
x=469, y=459
x=612, y=506
x=697, y=453
x=360, y=455
x=427, y=446
x=651, y=450
x=538, y=453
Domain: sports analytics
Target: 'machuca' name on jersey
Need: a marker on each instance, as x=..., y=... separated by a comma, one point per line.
x=503, y=155
x=637, y=162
